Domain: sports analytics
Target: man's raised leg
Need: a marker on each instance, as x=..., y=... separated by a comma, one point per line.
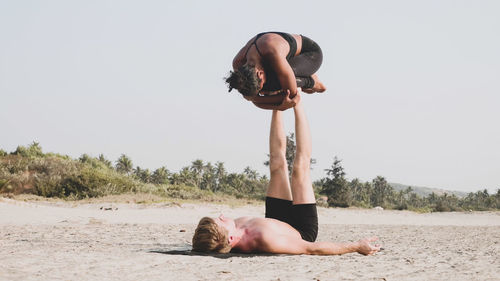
x=279, y=185
x=304, y=215
x=302, y=191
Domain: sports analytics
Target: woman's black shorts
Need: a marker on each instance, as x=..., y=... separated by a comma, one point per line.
x=302, y=217
x=303, y=65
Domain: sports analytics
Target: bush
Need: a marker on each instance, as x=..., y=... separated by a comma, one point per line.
x=59, y=176
x=86, y=182
x=402, y=206
x=187, y=192
x=362, y=204
x=3, y=183
x=33, y=150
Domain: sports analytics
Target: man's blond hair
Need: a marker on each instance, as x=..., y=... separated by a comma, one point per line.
x=209, y=237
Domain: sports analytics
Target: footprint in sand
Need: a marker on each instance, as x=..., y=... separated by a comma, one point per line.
x=95, y=221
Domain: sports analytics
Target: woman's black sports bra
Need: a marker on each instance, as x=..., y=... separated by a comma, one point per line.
x=288, y=37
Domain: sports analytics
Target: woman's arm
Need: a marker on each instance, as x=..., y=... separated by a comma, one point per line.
x=285, y=73
x=266, y=106
x=276, y=99
x=283, y=103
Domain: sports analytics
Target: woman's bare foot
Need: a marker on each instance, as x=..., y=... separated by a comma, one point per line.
x=318, y=87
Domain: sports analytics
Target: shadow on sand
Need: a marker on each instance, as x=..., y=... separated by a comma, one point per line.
x=185, y=250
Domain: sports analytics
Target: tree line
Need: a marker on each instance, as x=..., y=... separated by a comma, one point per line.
x=344, y=193
x=203, y=175
x=29, y=170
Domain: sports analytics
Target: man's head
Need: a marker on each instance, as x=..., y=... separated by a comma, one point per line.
x=211, y=235
x=247, y=79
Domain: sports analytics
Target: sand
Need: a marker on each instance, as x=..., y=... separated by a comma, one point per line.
x=103, y=241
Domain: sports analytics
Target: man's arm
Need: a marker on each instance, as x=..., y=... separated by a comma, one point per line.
x=297, y=246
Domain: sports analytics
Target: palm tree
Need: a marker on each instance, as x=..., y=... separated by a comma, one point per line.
x=105, y=161
x=137, y=172
x=160, y=176
x=175, y=179
x=124, y=164
x=186, y=177
x=145, y=176
x=220, y=175
x=142, y=174
x=197, y=167
x=382, y=191
x=250, y=173
x=208, y=179
x=236, y=182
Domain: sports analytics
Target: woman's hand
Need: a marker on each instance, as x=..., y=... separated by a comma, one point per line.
x=289, y=102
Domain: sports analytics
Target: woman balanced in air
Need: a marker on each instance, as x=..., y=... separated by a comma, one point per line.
x=273, y=64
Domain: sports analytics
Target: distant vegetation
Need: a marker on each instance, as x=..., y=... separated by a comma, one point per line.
x=426, y=191
x=29, y=170
x=378, y=192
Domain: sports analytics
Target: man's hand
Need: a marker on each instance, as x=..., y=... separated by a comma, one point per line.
x=365, y=247
x=289, y=102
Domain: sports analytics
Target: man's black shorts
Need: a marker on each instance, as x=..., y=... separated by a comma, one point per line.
x=303, y=217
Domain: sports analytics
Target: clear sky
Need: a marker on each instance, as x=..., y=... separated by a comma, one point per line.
x=413, y=86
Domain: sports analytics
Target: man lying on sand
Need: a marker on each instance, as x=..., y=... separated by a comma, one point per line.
x=291, y=222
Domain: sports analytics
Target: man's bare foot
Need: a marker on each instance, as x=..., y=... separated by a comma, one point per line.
x=318, y=87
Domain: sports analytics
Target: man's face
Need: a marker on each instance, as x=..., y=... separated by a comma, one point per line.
x=225, y=223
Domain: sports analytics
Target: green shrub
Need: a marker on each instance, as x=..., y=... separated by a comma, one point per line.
x=33, y=150
x=186, y=192
x=86, y=182
x=60, y=176
x=3, y=184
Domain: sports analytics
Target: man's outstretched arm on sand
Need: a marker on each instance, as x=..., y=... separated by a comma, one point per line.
x=295, y=246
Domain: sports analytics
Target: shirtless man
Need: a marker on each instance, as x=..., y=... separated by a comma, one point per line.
x=291, y=223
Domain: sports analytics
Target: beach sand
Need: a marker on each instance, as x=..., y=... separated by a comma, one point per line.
x=104, y=241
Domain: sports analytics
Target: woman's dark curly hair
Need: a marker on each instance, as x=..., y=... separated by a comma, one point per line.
x=244, y=79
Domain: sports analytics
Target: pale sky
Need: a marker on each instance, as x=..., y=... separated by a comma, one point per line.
x=413, y=86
